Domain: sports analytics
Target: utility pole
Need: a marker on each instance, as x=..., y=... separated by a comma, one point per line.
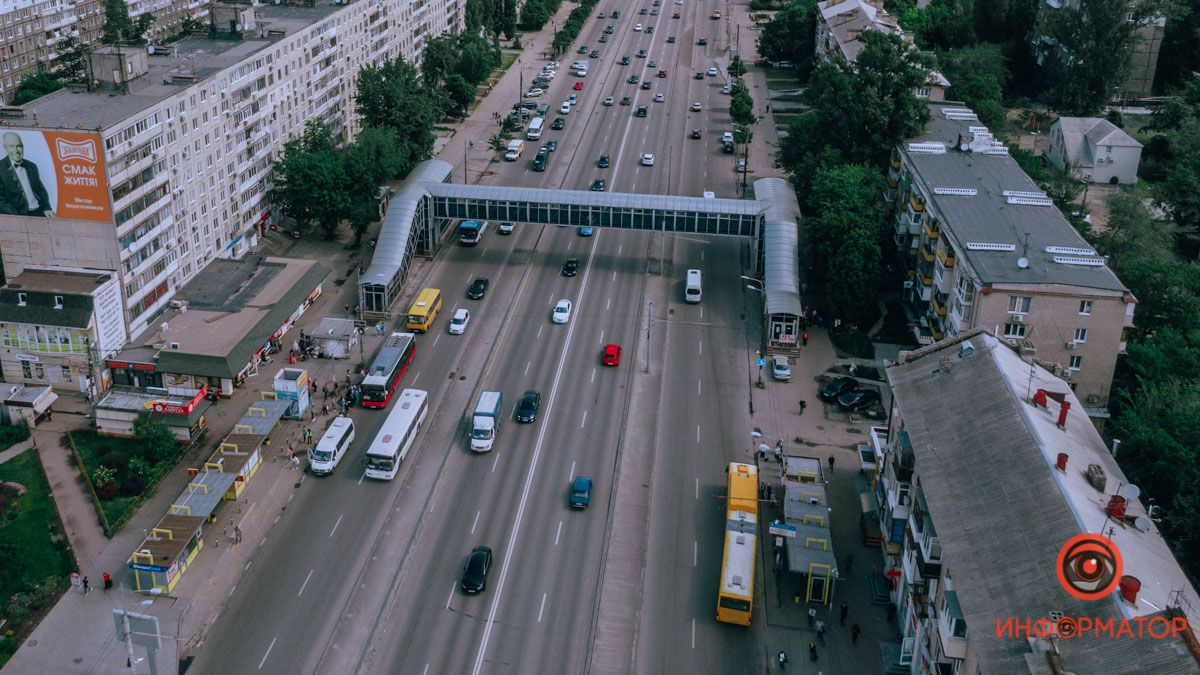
x=670, y=150
x=746, y=166
x=662, y=251
x=649, y=318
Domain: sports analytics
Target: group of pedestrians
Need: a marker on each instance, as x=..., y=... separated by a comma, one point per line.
x=818, y=626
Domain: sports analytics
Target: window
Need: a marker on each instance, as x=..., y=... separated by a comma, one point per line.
x=1019, y=304
x=1080, y=335
x=66, y=371
x=58, y=302
x=1085, y=307
x=1014, y=330
x=26, y=370
x=39, y=371
x=1076, y=363
x=922, y=92
x=22, y=299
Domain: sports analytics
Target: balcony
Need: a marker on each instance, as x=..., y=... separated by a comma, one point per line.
x=938, y=303
x=932, y=230
x=952, y=629
x=917, y=203
x=946, y=257
x=895, y=162
x=927, y=255
x=936, y=332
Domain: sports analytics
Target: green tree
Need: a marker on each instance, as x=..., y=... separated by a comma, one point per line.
x=737, y=67
x=459, y=94
x=803, y=151
x=977, y=76
x=35, y=86
x=373, y=159
x=438, y=59
x=158, y=439
x=791, y=36
x=310, y=180
x=741, y=105
x=392, y=96
x=73, y=59
x=942, y=24
x=882, y=82
x=847, y=234
x=1178, y=58
x=476, y=59
x=118, y=27
x=1088, y=59
x=534, y=15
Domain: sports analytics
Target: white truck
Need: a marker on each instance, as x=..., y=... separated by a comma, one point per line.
x=485, y=421
x=515, y=147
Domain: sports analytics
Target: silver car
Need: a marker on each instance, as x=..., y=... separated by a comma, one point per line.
x=780, y=370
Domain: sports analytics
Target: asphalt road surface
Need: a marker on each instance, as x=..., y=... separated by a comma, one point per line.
x=361, y=576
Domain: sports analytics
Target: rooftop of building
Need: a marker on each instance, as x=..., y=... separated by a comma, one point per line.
x=849, y=18
x=1097, y=131
x=81, y=282
x=227, y=313
x=986, y=460
x=201, y=57
x=995, y=214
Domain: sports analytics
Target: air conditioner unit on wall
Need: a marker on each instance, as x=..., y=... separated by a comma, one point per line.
x=1069, y=344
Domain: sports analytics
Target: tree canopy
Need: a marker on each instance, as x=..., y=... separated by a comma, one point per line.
x=391, y=96
x=1085, y=54
x=791, y=35
x=847, y=235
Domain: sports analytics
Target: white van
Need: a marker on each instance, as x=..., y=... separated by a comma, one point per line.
x=691, y=292
x=333, y=444
x=535, y=129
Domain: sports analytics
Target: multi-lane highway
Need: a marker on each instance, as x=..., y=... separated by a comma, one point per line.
x=361, y=576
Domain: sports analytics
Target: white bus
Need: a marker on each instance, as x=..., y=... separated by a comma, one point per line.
x=535, y=128
x=397, y=434
x=324, y=458
x=691, y=292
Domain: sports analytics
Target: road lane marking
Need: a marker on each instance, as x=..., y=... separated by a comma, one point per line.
x=435, y=340
x=693, y=632
x=451, y=596
x=416, y=377
x=571, y=473
x=697, y=495
x=335, y=526
x=700, y=347
x=584, y=420
x=558, y=533
x=695, y=553
x=601, y=337
x=614, y=275
x=530, y=363
x=608, y=305
x=542, y=608
x=469, y=275
x=697, y=433
x=593, y=380
x=495, y=461
x=426, y=670
x=305, y=584
x=269, y=648
x=475, y=522
x=697, y=387
x=619, y=248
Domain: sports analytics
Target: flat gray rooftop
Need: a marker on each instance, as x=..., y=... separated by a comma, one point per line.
x=56, y=281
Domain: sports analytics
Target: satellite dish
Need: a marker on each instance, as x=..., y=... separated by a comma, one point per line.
x=1023, y=263
x=1142, y=523
x=1130, y=491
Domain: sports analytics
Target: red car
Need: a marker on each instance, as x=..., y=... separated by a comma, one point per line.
x=662, y=73
x=612, y=355
x=579, y=85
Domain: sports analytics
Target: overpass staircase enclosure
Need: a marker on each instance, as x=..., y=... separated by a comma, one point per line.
x=422, y=212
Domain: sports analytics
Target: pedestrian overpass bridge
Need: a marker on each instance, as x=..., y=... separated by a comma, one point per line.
x=425, y=208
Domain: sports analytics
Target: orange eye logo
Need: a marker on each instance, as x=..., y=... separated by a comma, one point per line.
x=1089, y=566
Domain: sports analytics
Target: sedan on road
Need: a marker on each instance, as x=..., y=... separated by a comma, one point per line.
x=603, y=162
x=641, y=53
x=458, y=322
x=571, y=267
x=581, y=492
x=712, y=72
x=579, y=86
x=598, y=185
x=780, y=370
x=608, y=100
x=478, y=288
x=562, y=311
x=632, y=79
x=659, y=98
x=836, y=388
x=552, y=144
x=586, y=230
x=527, y=407
x=624, y=60
x=702, y=42
x=612, y=355
x=671, y=40
x=558, y=124
x=696, y=107
x=475, y=572
x=583, y=49
x=652, y=64
x=699, y=76
x=647, y=160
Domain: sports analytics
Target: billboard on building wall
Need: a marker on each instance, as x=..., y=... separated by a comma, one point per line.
x=53, y=174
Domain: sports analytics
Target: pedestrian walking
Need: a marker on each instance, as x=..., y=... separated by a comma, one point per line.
x=831, y=464
x=812, y=616
x=295, y=462
x=312, y=414
x=237, y=534
x=855, y=630
x=782, y=659
x=107, y=581
x=891, y=611
x=812, y=651
x=821, y=632
x=347, y=378
x=849, y=561
x=804, y=339
x=85, y=586
x=803, y=405
x=843, y=611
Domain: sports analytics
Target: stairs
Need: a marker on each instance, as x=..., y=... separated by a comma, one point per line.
x=889, y=656
x=879, y=589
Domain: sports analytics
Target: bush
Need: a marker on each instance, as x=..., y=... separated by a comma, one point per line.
x=116, y=461
x=14, y=434
x=132, y=485
x=107, y=490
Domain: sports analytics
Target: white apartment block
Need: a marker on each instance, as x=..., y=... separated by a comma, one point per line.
x=982, y=246
x=167, y=166
x=32, y=30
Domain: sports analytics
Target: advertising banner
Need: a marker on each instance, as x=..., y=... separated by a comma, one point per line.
x=53, y=174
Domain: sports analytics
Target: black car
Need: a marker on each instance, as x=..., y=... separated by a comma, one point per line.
x=598, y=185
x=595, y=54
x=641, y=53
x=643, y=11
x=698, y=76
x=632, y=79
x=841, y=385
x=602, y=162
x=527, y=407
x=558, y=124
x=671, y=40
x=475, y=572
x=477, y=289
x=646, y=84
x=571, y=267
x=608, y=30
x=649, y=30
x=702, y=41
x=583, y=49
x=624, y=60
x=857, y=399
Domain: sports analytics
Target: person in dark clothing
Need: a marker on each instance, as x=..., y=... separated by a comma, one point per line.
x=843, y=611
x=107, y=581
x=855, y=630
x=812, y=651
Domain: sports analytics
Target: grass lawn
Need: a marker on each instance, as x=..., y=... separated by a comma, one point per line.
x=92, y=449
x=783, y=121
x=507, y=58
x=31, y=530
x=1133, y=127
x=782, y=83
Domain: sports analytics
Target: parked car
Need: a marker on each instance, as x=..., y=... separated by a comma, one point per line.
x=527, y=407
x=836, y=388
x=608, y=30
x=475, y=572
x=696, y=107
x=571, y=267
x=780, y=369
x=579, y=86
x=534, y=92
x=581, y=492
x=612, y=355
x=857, y=399
x=726, y=89
x=741, y=166
x=458, y=322
x=478, y=288
x=695, y=133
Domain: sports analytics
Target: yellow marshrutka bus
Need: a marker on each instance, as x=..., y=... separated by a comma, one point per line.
x=736, y=596
x=424, y=310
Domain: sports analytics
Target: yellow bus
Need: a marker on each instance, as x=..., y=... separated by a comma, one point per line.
x=736, y=595
x=424, y=310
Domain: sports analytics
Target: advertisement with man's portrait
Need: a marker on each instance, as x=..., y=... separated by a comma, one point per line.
x=51, y=174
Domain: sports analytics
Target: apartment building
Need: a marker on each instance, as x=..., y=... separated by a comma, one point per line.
x=166, y=166
x=989, y=475
x=841, y=22
x=32, y=32
x=983, y=246
x=1143, y=61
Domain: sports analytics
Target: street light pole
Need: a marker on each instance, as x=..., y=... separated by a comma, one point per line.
x=649, y=318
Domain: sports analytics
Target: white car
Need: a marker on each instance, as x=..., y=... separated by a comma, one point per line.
x=458, y=322
x=565, y=108
x=659, y=98
x=696, y=107
x=553, y=65
x=647, y=160
x=712, y=72
x=534, y=93
x=727, y=137
x=505, y=228
x=637, y=27
x=562, y=311
x=608, y=100
x=726, y=89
